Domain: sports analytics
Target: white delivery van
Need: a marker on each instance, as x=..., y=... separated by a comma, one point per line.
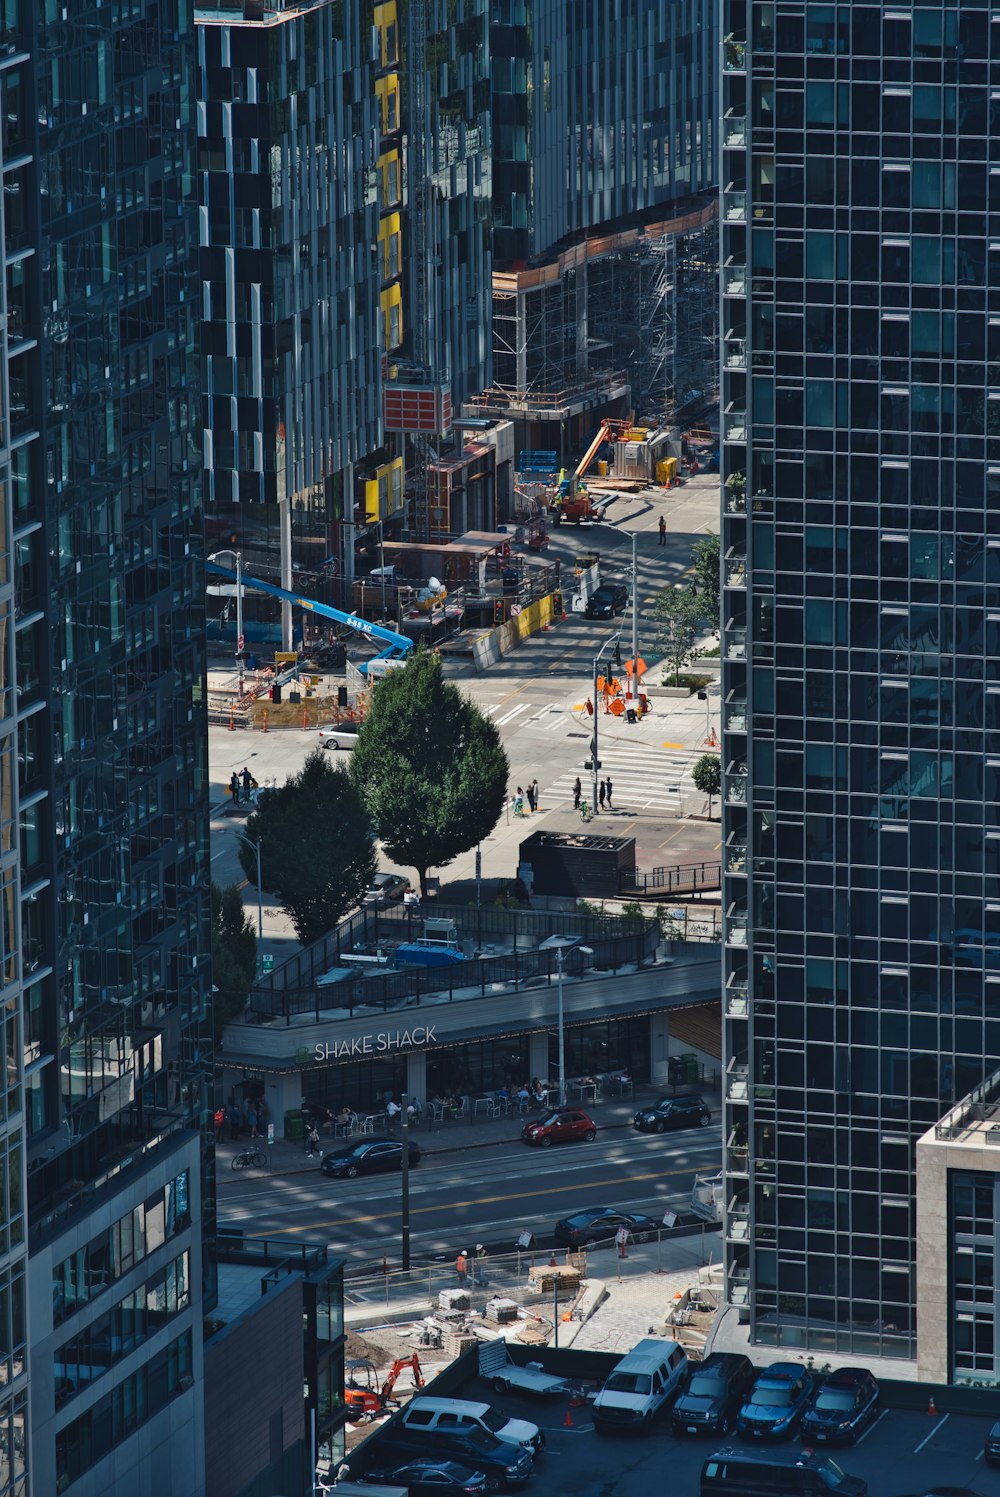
x=642, y=1385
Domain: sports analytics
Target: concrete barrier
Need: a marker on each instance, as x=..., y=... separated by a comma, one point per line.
x=492, y=646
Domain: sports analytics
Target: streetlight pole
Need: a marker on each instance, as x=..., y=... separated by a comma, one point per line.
x=562, y=1027
x=635, y=619
x=242, y=836
x=593, y=757
x=381, y=560
x=404, y=1128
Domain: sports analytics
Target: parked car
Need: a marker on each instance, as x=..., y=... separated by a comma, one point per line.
x=943, y=1492
x=426, y=1476
x=429, y=1415
x=387, y=888
x=560, y=1125
x=607, y=600
x=714, y=1396
x=641, y=1385
x=842, y=1406
x=673, y=1112
x=339, y=736
x=991, y=1446
x=733, y=1472
x=776, y=1402
x=368, y=1156
x=600, y=1224
x=504, y=1464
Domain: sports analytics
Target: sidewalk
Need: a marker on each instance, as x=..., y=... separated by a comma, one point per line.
x=475, y=1132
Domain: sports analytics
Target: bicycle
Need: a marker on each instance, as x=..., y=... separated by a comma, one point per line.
x=254, y=1158
x=584, y=811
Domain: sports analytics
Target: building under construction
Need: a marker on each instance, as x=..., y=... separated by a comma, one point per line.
x=621, y=321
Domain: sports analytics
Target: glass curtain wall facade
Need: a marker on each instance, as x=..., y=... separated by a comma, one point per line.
x=861, y=552
x=601, y=108
x=289, y=296
x=15, y=364
x=105, y=887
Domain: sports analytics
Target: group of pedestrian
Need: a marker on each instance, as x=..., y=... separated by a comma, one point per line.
x=604, y=794
x=469, y=1269
x=241, y=1119
x=243, y=783
x=531, y=796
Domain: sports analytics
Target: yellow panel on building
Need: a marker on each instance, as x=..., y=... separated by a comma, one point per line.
x=384, y=492
x=386, y=18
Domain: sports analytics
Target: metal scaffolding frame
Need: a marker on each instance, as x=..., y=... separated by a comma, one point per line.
x=642, y=300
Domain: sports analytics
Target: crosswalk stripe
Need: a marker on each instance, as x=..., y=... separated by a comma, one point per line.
x=514, y=712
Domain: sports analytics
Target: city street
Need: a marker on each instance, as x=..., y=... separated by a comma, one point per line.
x=487, y=1194
x=537, y=697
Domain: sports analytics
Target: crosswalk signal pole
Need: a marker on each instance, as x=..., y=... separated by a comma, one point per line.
x=593, y=760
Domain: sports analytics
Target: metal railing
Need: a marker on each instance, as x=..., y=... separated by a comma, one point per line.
x=684, y=878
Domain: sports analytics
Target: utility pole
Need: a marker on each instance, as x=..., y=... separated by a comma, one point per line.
x=635, y=619
x=593, y=759
x=404, y=1128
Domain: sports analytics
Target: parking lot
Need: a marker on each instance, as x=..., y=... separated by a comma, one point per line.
x=901, y=1453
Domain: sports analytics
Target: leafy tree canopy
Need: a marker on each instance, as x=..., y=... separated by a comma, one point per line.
x=234, y=956
x=316, y=849
x=679, y=619
x=707, y=563
x=707, y=774
x=430, y=767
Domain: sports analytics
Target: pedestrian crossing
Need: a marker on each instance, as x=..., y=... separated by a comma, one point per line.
x=548, y=718
x=643, y=777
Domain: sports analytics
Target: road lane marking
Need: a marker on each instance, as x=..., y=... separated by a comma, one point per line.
x=868, y=1431
x=940, y=1425
x=518, y=1195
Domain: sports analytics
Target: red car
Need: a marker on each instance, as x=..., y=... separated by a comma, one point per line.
x=558, y=1126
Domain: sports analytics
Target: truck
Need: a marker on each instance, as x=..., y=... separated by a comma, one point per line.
x=571, y=501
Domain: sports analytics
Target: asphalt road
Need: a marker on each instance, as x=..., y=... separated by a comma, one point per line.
x=485, y=1194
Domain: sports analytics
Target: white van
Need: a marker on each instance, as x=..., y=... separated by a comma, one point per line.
x=447, y=1415
x=641, y=1385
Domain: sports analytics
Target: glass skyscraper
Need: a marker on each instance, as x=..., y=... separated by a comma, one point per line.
x=861, y=555
x=103, y=832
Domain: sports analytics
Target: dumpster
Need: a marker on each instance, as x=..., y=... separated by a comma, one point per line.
x=295, y=1125
x=690, y=1062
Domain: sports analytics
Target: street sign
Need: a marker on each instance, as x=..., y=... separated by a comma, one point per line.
x=525, y=1240
x=670, y=1218
x=240, y=643
x=267, y=963
x=270, y=1133
x=589, y=764
x=515, y=609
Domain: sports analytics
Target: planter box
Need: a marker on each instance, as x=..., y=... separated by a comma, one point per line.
x=674, y=691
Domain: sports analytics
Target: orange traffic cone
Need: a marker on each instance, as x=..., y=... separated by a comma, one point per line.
x=568, y=1421
x=304, y=719
x=264, y=728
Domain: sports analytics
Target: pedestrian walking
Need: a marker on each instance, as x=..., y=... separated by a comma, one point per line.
x=247, y=779
x=462, y=1268
x=607, y=786
x=234, y=787
x=252, y=1120
x=220, y=1123
x=531, y=796
x=577, y=792
x=481, y=1278
x=312, y=1140
x=601, y=795
x=663, y=531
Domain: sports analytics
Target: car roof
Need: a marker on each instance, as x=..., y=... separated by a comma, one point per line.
x=846, y=1377
x=780, y=1372
x=649, y=1352
x=724, y=1361
x=464, y=1406
x=753, y=1456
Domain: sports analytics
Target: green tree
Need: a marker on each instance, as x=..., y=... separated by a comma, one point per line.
x=430, y=767
x=234, y=956
x=679, y=619
x=707, y=562
x=707, y=776
x=316, y=849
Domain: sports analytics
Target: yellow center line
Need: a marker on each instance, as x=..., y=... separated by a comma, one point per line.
x=518, y=1195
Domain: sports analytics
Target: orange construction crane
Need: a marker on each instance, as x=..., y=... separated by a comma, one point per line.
x=571, y=501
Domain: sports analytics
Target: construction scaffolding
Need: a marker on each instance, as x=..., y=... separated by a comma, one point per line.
x=630, y=317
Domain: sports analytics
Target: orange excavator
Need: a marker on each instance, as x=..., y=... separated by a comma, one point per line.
x=366, y=1400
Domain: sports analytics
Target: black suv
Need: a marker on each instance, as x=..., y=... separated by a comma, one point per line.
x=991, y=1446
x=842, y=1406
x=610, y=598
x=505, y=1464
x=714, y=1395
x=673, y=1112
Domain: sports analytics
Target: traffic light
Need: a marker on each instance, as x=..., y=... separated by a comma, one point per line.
x=498, y=611
x=557, y=605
